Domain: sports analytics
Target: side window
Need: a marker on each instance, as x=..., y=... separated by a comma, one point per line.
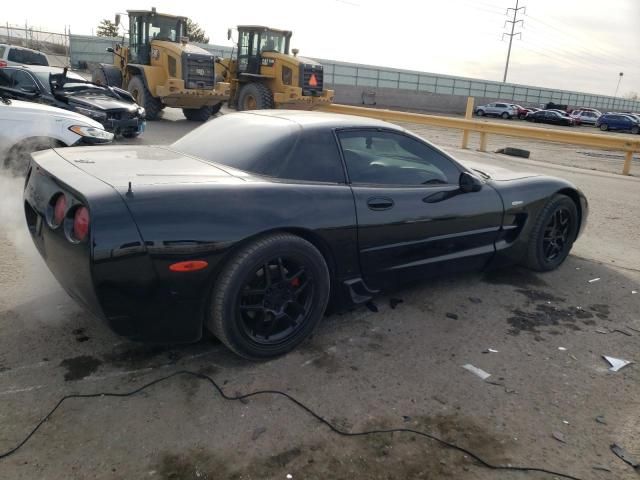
x=500, y=105
x=5, y=77
x=315, y=159
x=23, y=81
x=389, y=158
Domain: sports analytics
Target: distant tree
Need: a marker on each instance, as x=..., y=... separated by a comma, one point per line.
x=107, y=29
x=196, y=33
x=632, y=96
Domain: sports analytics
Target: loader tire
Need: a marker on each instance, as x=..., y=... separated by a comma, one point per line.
x=151, y=104
x=255, y=96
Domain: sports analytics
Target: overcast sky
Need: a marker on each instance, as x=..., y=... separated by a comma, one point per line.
x=570, y=44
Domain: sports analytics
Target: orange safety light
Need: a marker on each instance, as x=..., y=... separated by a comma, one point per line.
x=188, y=266
x=313, y=81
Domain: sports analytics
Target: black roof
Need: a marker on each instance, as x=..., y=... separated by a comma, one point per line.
x=312, y=119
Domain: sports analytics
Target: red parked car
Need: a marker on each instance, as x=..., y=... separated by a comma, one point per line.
x=521, y=111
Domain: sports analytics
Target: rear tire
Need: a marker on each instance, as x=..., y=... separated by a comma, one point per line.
x=604, y=127
x=635, y=130
x=255, y=96
x=278, y=278
x=216, y=108
x=143, y=97
x=553, y=234
x=505, y=115
x=201, y=114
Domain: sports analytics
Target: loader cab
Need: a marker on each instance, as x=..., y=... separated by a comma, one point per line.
x=254, y=40
x=146, y=26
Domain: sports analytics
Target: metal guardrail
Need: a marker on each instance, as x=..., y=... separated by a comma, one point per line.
x=595, y=140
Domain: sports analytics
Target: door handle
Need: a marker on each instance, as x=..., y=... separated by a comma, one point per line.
x=379, y=203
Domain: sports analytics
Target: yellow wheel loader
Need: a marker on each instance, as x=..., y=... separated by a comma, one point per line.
x=160, y=68
x=263, y=74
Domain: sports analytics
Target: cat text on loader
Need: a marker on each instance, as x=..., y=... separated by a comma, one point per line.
x=264, y=75
x=161, y=69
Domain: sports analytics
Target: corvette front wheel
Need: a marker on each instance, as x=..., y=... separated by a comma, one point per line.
x=553, y=234
x=269, y=297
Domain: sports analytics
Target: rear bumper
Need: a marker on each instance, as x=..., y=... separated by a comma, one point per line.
x=293, y=96
x=112, y=274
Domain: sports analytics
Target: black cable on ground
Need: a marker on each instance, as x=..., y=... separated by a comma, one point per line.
x=301, y=405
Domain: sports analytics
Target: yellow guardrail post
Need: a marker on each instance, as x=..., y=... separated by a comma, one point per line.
x=468, y=115
x=628, y=157
x=483, y=141
x=621, y=143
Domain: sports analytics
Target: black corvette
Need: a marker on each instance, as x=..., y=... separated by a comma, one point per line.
x=248, y=225
x=113, y=107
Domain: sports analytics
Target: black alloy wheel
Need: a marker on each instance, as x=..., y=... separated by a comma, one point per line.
x=556, y=234
x=553, y=233
x=275, y=300
x=269, y=296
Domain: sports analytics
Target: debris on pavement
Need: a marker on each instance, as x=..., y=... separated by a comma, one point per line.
x=394, y=302
x=371, y=306
x=633, y=292
x=633, y=328
x=490, y=350
x=616, y=363
x=477, y=371
x=601, y=468
x=257, y=433
x=475, y=300
x=624, y=455
x=452, y=316
x=562, y=349
x=559, y=436
x=601, y=419
x=593, y=280
x=602, y=330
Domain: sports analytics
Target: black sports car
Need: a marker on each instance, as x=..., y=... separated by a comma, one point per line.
x=250, y=223
x=113, y=107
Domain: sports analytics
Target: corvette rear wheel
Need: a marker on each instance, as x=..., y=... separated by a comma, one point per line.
x=553, y=234
x=269, y=297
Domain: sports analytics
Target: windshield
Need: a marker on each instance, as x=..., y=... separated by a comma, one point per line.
x=225, y=140
x=163, y=28
x=44, y=78
x=273, y=42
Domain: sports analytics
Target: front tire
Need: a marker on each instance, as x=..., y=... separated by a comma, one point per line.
x=480, y=113
x=143, y=97
x=553, y=234
x=635, y=130
x=269, y=297
x=255, y=96
x=604, y=127
x=201, y=114
x=505, y=115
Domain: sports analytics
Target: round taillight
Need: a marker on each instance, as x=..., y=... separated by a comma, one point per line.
x=80, y=224
x=59, y=209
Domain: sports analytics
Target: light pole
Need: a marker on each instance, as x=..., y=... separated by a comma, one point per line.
x=619, y=80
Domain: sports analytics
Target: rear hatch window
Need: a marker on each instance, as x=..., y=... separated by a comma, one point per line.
x=27, y=57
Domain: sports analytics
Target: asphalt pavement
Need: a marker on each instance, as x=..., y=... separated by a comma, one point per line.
x=550, y=401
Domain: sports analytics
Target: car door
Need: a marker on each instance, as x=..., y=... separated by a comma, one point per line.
x=491, y=109
x=413, y=218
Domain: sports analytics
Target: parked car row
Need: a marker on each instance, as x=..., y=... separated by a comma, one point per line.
x=626, y=122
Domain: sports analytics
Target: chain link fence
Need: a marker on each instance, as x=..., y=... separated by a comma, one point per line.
x=55, y=45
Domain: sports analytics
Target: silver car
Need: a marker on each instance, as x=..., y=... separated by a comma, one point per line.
x=13, y=55
x=497, y=109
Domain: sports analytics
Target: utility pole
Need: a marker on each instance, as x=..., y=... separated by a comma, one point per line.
x=513, y=23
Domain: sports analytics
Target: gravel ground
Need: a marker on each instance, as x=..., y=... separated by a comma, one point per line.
x=398, y=367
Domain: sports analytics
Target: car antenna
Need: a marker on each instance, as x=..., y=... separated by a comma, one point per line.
x=129, y=192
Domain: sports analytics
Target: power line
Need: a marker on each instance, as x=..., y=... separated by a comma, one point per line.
x=513, y=23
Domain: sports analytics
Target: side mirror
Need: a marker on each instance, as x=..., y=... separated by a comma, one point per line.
x=117, y=19
x=109, y=49
x=469, y=183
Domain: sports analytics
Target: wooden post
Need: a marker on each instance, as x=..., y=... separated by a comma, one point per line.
x=628, y=157
x=483, y=141
x=468, y=114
